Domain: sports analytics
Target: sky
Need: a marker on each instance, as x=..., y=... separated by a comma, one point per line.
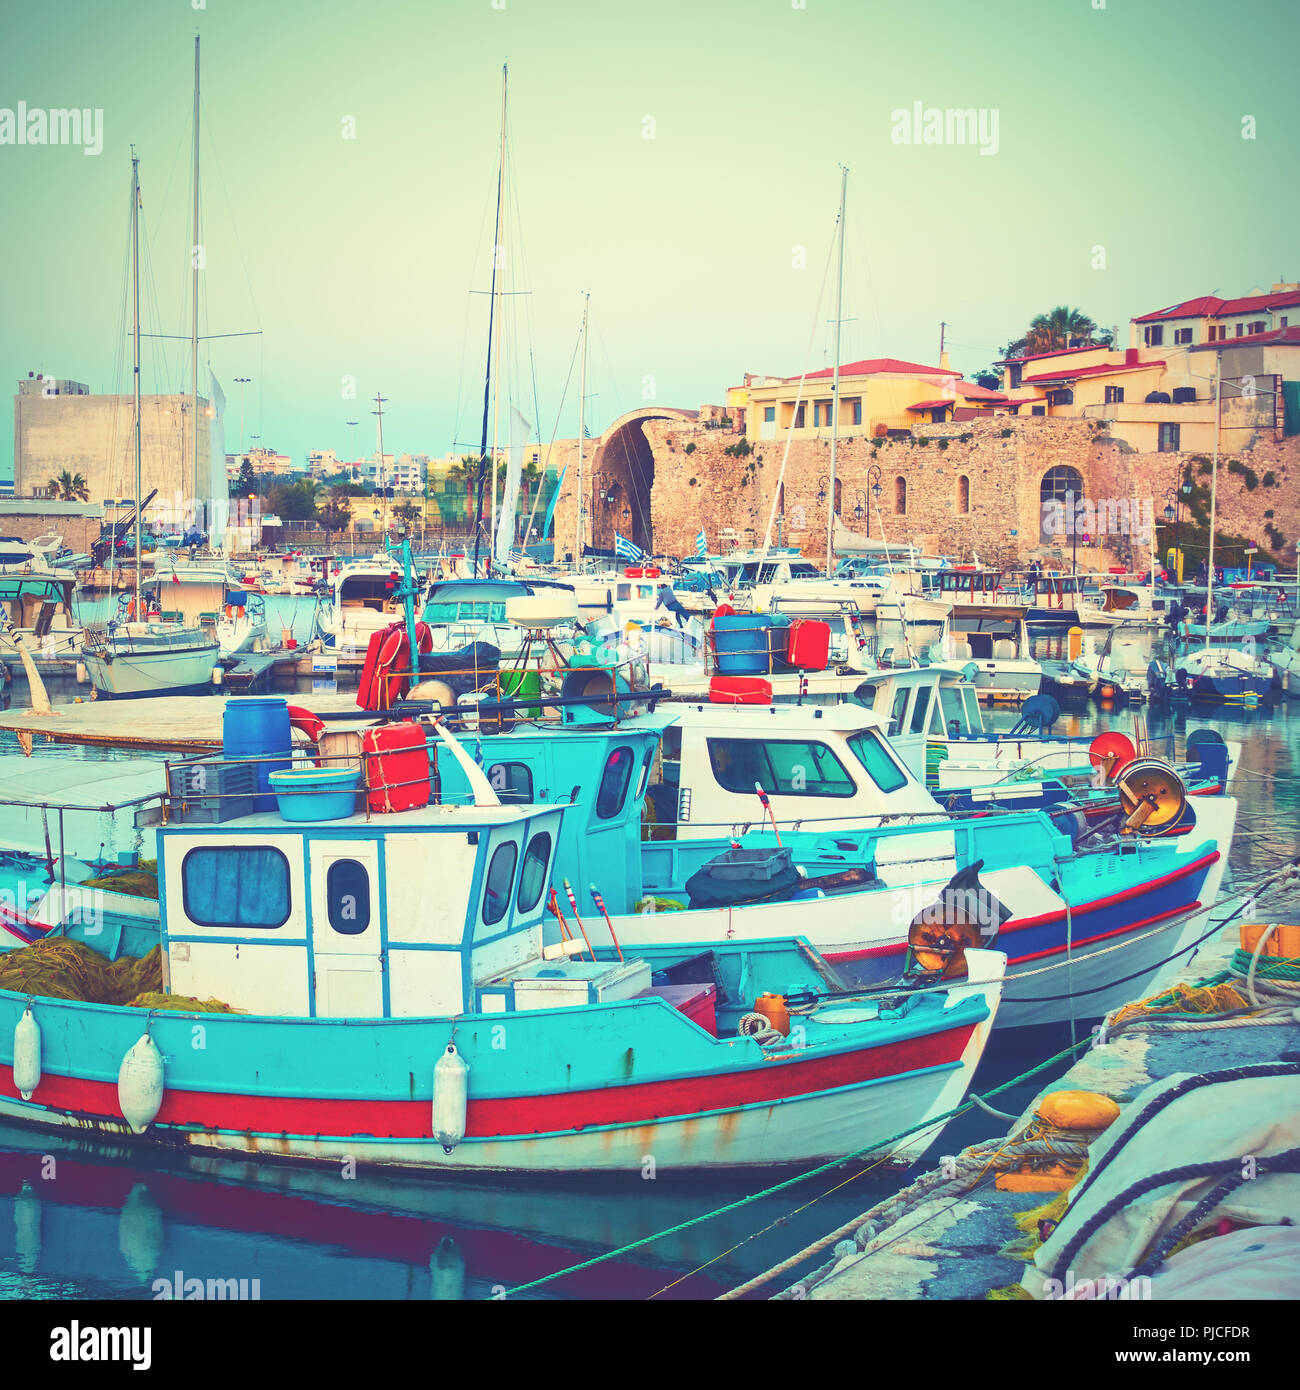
x=677, y=161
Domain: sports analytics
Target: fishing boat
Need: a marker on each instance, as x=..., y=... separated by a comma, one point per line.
x=1125, y=606
x=358, y=601
x=402, y=1008
x=208, y=594
x=992, y=638
x=1222, y=675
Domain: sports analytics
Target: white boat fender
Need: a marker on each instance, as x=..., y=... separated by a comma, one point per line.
x=27, y=1054
x=140, y=1084
x=450, y=1098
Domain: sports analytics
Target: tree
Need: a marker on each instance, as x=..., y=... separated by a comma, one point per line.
x=1058, y=328
x=246, y=483
x=70, y=487
x=989, y=379
x=335, y=515
x=408, y=512
x=293, y=501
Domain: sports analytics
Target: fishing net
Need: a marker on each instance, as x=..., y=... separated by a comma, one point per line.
x=153, y=999
x=62, y=969
x=140, y=882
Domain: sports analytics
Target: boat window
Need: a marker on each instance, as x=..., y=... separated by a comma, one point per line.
x=532, y=877
x=623, y=591
x=347, y=896
x=512, y=782
x=464, y=611
x=954, y=710
x=973, y=716
x=788, y=767
x=920, y=709
x=500, y=877
x=646, y=764
x=236, y=886
x=613, y=783
x=875, y=757
x=899, y=711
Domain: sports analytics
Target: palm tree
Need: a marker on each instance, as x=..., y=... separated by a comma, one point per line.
x=1059, y=328
x=70, y=487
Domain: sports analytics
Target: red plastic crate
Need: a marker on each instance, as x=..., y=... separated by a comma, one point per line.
x=740, y=690
x=808, y=645
x=397, y=768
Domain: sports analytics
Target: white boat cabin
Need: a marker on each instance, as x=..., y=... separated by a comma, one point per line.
x=826, y=764
x=429, y=912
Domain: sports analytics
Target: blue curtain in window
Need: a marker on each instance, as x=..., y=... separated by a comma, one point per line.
x=231, y=886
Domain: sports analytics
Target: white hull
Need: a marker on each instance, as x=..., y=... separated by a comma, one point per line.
x=151, y=673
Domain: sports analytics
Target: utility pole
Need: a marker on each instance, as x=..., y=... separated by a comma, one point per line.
x=196, y=253
x=1214, y=492
x=942, y=329
x=379, y=401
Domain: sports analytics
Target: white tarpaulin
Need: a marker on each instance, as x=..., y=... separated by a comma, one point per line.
x=505, y=537
x=1236, y=1122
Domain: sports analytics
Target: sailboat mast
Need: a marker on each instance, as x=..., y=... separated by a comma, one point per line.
x=487, y=379
x=195, y=256
x=580, y=527
x=496, y=256
x=135, y=333
x=1214, y=493
x=835, y=380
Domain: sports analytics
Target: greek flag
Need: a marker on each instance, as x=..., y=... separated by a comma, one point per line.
x=626, y=549
x=701, y=544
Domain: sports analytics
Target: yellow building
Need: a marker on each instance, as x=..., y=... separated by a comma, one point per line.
x=876, y=395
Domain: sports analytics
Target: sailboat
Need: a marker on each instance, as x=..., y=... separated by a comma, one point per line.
x=142, y=651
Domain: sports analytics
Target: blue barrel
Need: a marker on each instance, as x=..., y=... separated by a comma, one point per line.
x=257, y=726
x=749, y=644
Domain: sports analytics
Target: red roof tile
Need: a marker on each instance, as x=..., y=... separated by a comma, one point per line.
x=1209, y=305
x=1101, y=370
x=873, y=366
x=1276, y=336
x=1059, y=352
x=932, y=405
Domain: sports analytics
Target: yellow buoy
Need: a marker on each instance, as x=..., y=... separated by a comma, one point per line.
x=1074, y=643
x=1078, y=1110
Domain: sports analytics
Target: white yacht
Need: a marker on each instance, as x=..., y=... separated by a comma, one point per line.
x=359, y=601
x=993, y=638
x=208, y=593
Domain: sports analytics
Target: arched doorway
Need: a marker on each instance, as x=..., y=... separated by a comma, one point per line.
x=623, y=474
x=1058, y=496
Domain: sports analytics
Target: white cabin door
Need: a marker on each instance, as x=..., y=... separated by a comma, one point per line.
x=348, y=974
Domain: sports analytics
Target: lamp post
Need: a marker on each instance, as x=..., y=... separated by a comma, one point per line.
x=1171, y=514
x=873, y=482
x=241, y=382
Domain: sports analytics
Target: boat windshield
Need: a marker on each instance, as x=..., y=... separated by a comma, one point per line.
x=465, y=611
x=877, y=761
x=961, y=711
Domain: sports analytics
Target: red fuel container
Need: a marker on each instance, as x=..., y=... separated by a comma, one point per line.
x=396, y=760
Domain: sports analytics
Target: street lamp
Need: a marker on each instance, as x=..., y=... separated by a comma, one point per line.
x=241, y=382
x=822, y=483
x=873, y=481
x=859, y=504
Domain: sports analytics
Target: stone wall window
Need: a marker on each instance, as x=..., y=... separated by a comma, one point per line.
x=1059, y=494
x=963, y=494
x=900, y=496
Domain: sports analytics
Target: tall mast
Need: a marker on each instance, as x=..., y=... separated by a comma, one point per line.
x=135, y=333
x=580, y=528
x=195, y=256
x=1214, y=493
x=487, y=380
x=496, y=256
x=383, y=490
x=835, y=380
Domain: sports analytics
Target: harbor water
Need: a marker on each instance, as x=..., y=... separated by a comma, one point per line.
x=80, y=1218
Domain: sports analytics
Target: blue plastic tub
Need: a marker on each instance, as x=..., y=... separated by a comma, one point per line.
x=257, y=726
x=316, y=793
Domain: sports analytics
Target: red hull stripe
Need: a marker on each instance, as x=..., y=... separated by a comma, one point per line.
x=1127, y=895
x=634, y=1103
x=1104, y=936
